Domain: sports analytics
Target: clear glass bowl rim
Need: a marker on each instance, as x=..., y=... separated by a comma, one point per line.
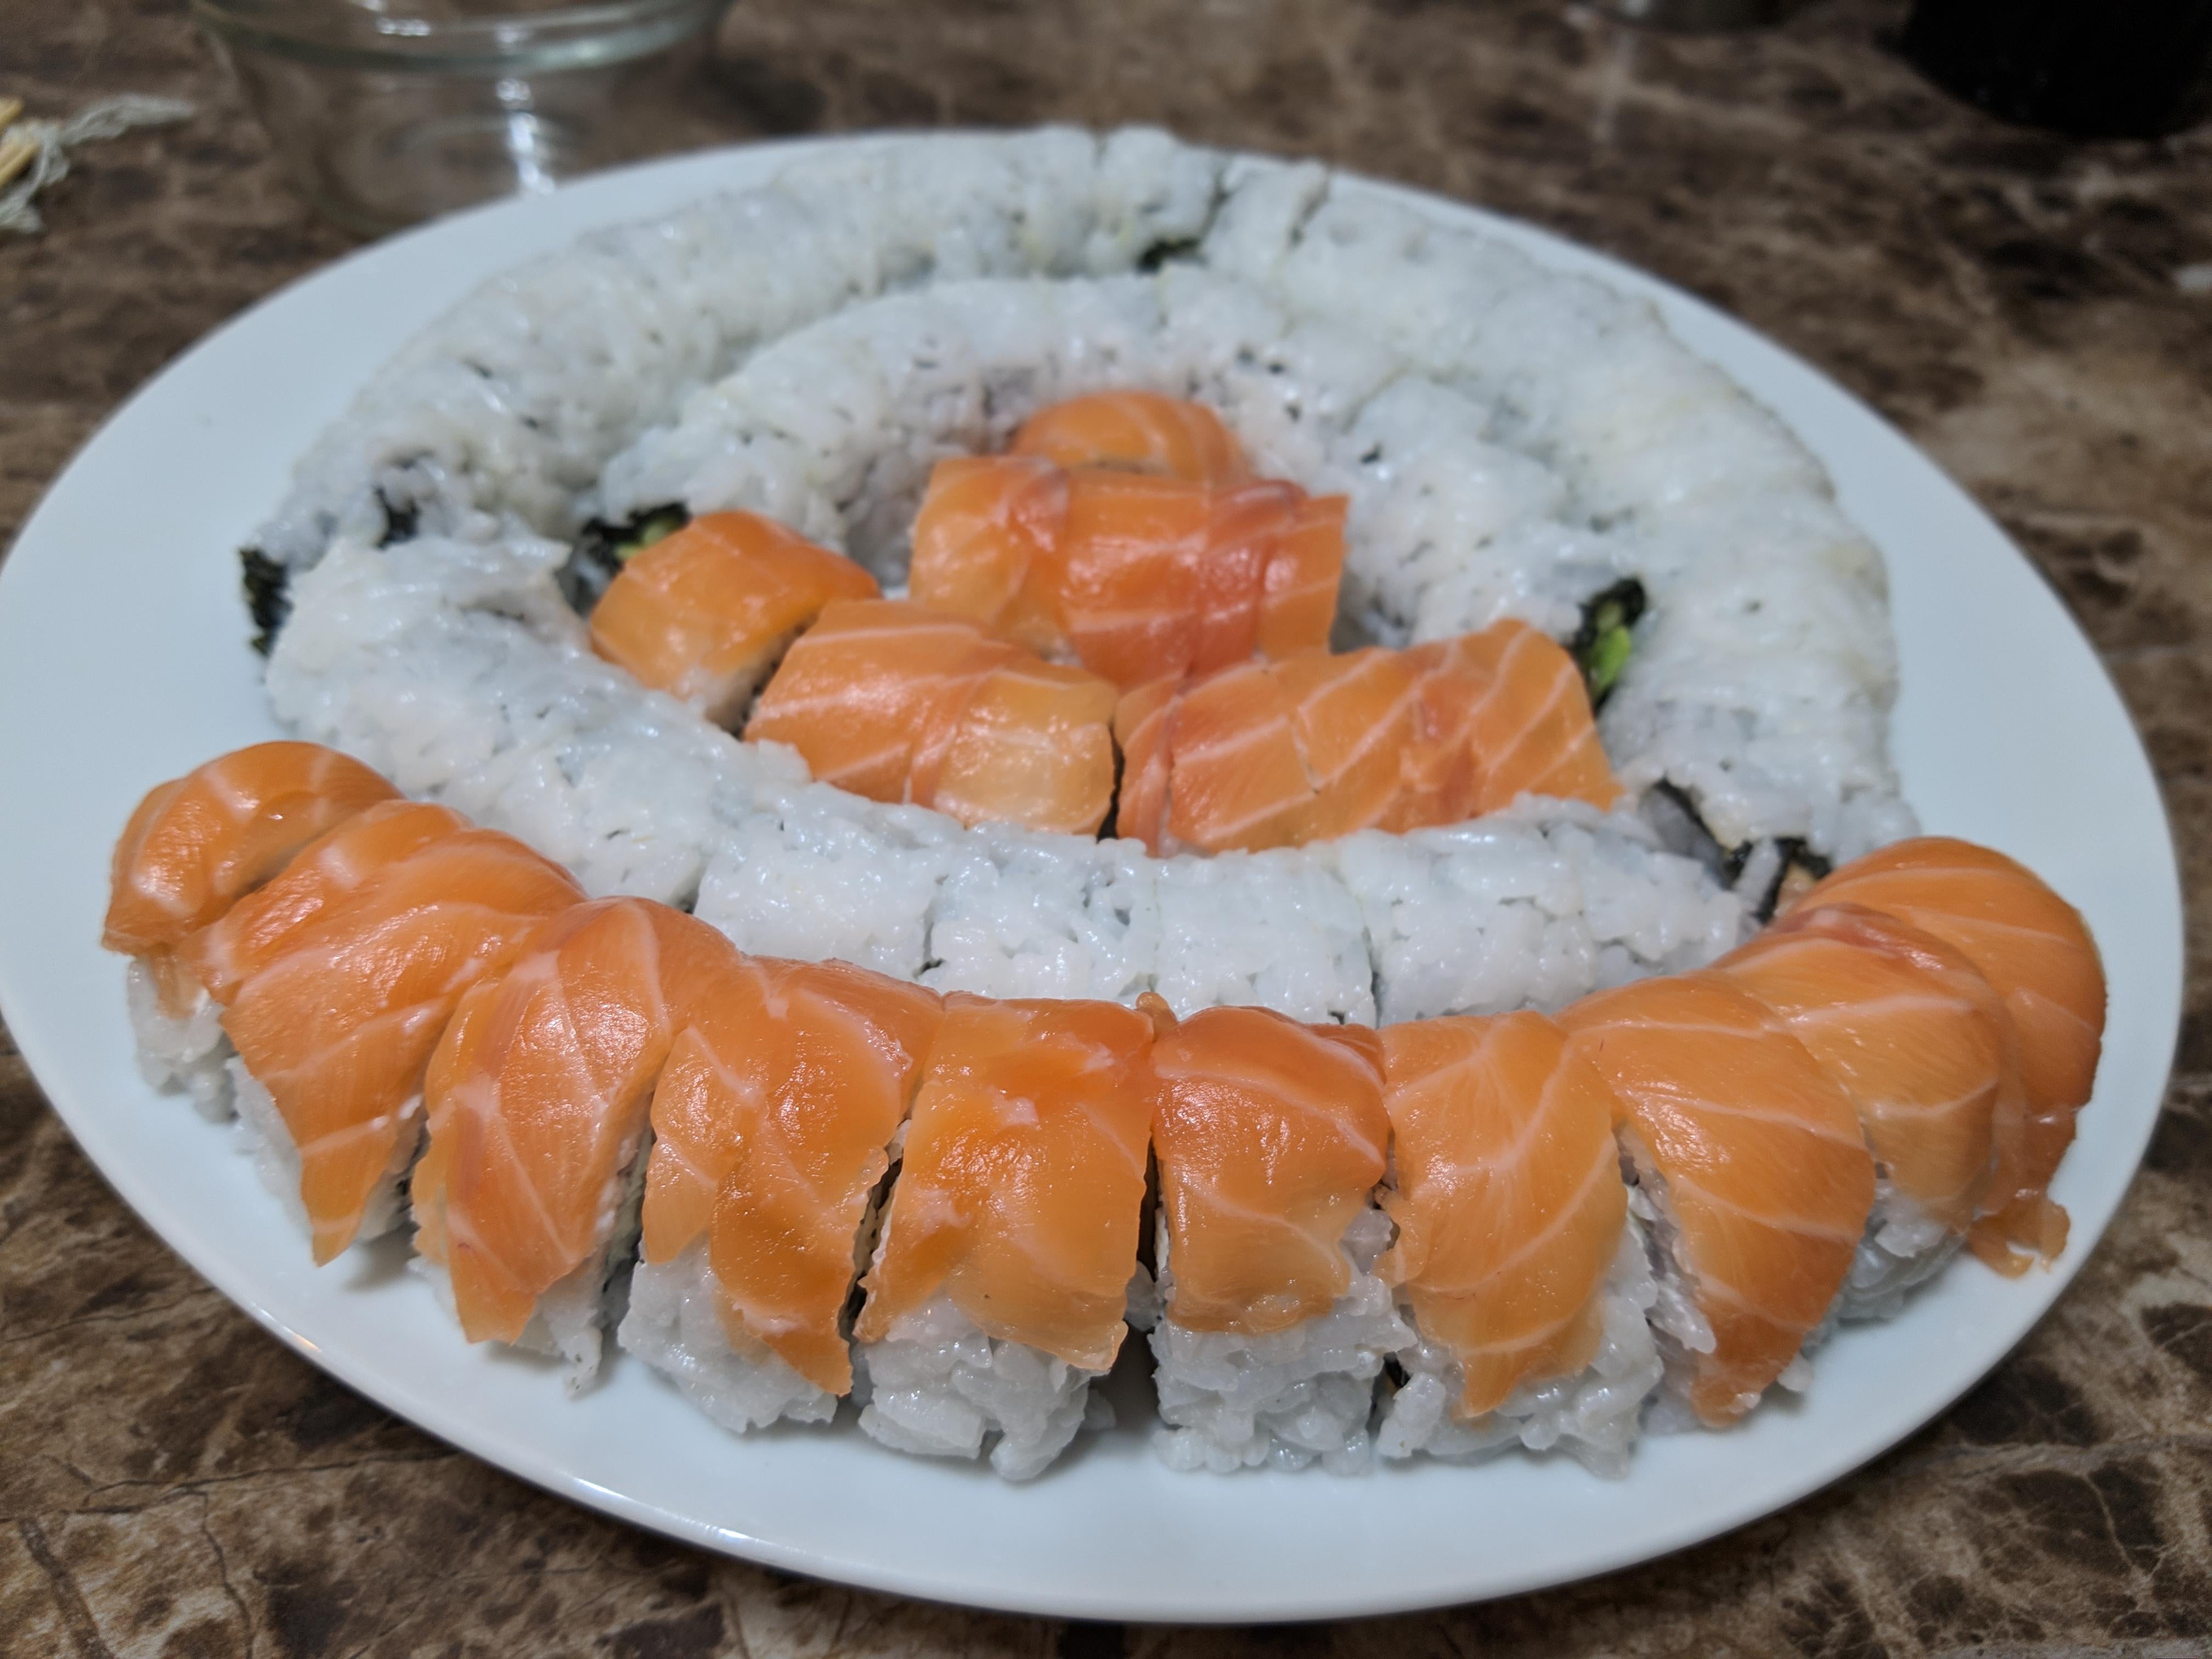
x=343, y=36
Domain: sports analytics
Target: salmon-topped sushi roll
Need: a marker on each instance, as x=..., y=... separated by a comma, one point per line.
x=1750, y=1170
x=771, y=1125
x=1520, y=1270
x=336, y=981
x=1512, y=699
x=525, y=1203
x=1138, y=432
x=2036, y=951
x=1927, y=1053
x=1269, y=1137
x=705, y=614
x=900, y=703
x=1135, y=576
x=999, y=1285
x=194, y=846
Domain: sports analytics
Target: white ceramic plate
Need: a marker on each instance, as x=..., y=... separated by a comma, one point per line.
x=123, y=662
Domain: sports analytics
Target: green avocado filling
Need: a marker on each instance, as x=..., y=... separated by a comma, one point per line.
x=1602, y=645
x=656, y=526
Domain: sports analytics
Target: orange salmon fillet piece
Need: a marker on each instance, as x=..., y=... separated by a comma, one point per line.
x=900, y=703
x=195, y=843
x=1139, y=431
x=1913, y=1033
x=537, y=1098
x=1509, y=1198
x=338, y=977
x=1764, y=1169
x=1270, y=1138
x=770, y=1122
x=703, y=614
x=2036, y=951
x=1135, y=575
x=1023, y=1172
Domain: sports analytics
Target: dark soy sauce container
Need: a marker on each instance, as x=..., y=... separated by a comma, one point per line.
x=2103, y=69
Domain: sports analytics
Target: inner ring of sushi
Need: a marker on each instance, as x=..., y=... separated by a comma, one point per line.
x=1512, y=439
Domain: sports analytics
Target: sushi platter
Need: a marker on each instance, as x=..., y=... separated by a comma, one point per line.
x=1085, y=1212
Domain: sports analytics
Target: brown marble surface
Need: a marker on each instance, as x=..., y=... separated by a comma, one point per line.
x=2038, y=314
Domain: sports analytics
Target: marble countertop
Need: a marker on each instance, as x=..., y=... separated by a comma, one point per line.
x=2037, y=314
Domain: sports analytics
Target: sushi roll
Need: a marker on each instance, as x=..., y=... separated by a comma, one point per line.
x=772, y=1124
x=706, y=614
x=194, y=846
x=2035, y=950
x=898, y=703
x=1749, y=1171
x=999, y=1282
x=1138, y=432
x=1523, y=1275
x=525, y=1202
x=336, y=981
x=1927, y=1053
x=1135, y=575
x=1270, y=1137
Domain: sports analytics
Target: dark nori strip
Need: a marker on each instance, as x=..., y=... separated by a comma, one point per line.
x=399, y=522
x=1798, y=861
x=602, y=547
x=1167, y=252
x=265, y=582
x=1602, y=645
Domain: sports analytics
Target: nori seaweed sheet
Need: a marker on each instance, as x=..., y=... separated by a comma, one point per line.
x=1682, y=828
x=266, y=584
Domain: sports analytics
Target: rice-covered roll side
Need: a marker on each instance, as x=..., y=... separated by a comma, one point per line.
x=1000, y=1279
x=193, y=846
x=335, y=982
x=1523, y=1278
x=1927, y=1053
x=771, y=1124
x=507, y=408
x=1269, y=1138
x=1749, y=1170
x=525, y=1202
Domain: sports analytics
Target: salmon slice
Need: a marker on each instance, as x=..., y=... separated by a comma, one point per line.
x=1135, y=576
x=1516, y=701
x=1269, y=754
x=1913, y=1033
x=1139, y=431
x=195, y=843
x=987, y=546
x=1509, y=1199
x=900, y=703
x=537, y=1099
x=1023, y=1172
x=1270, y=1138
x=1758, y=1155
x=2034, y=948
x=338, y=979
x=704, y=614
x=770, y=1123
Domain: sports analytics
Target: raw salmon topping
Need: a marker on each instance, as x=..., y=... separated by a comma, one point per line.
x=1270, y=1137
x=1141, y=431
x=1509, y=1198
x=703, y=614
x=899, y=703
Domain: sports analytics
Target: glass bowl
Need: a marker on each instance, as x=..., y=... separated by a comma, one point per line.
x=387, y=112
